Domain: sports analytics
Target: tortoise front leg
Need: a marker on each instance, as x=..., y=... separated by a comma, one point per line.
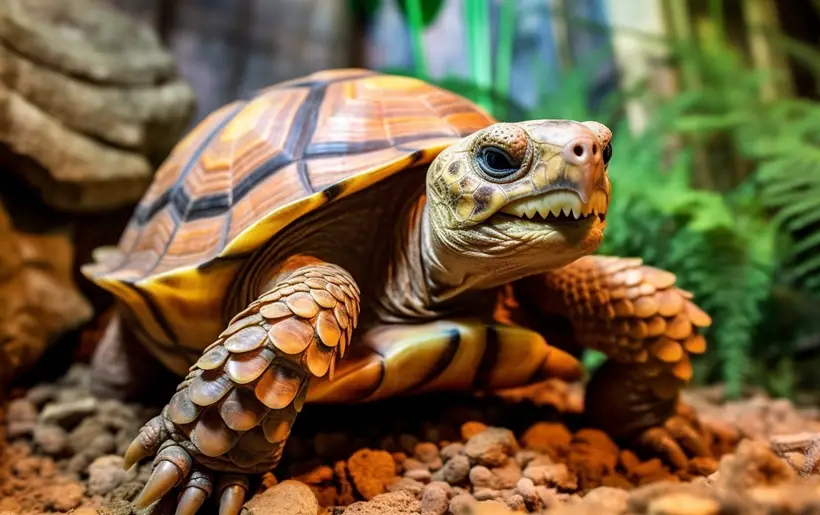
x=232, y=414
x=648, y=327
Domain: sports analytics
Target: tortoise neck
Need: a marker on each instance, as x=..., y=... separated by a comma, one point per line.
x=420, y=284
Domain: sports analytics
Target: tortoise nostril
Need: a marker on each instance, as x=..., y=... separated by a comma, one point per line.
x=594, y=150
x=578, y=150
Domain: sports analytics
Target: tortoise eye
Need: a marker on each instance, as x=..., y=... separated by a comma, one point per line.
x=607, y=153
x=496, y=163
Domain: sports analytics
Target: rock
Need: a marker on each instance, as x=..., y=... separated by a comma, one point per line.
x=413, y=464
x=371, y=471
x=609, y=500
x=753, y=464
x=393, y=503
x=106, y=473
x=456, y=470
x=21, y=415
x=526, y=489
x=428, y=454
x=41, y=394
x=88, y=121
x=434, y=500
x=64, y=497
x=554, y=475
x=41, y=300
x=450, y=450
x=508, y=475
x=85, y=433
x=470, y=429
x=491, y=447
x=515, y=502
x=544, y=436
x=68, y=414
x=481, y=477
x=51, y=439
x=422, y=475
x=287, y=498
x=683, y=504
x=406, y=484
x=462, y=504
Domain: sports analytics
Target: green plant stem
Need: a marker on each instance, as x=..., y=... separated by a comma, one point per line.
x=504, y=51
x=478, y=30
x=716, y=14
x=416, y=22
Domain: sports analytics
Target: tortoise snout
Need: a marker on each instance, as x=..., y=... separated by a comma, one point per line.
x=583, y=151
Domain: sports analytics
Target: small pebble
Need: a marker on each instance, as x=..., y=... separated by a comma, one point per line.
x=406, y=484
x=508, y=474
x=470, y=429
x=428, y=453
x=68, y=414
x=413, y=464
x=450, y=450
x=51, y=439
x=421, y=475
x=456, y=470
x=371, y=471
x=481, y=477
x=287, y=498
x=526, y=489
x=106, y=473
x=515, y=502
x=434, y=501
x=461, y=504
x=483, y=494
x=491, y=447
x=21, y=415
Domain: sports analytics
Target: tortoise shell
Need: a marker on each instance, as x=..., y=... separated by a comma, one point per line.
x=249, y=170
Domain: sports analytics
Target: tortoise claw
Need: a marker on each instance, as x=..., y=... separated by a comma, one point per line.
x=679, y=439
x=164, y=477
x=151, y=435
x=195, y=492
x=234, y=488
x=191, y=500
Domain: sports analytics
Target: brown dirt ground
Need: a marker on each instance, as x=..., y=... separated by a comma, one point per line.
x=528, y=452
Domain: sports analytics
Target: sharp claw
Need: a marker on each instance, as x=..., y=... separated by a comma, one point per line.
x=658, y=439
x=164, y=477
x=191, y=500
x=233, y=497
x=687, y=436
x=136, y=452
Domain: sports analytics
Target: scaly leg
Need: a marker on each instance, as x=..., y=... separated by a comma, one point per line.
x=648, y=328
x=232, y=415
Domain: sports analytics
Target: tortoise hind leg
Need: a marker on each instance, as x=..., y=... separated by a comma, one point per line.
x=122, y=368
x=649, y=329
x=445, y=355
x=231, y=416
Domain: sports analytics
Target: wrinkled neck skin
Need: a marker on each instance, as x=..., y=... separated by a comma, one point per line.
x=430, y=276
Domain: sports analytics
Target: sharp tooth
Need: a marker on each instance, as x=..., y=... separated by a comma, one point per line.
x=531, y=211
x=576, y=212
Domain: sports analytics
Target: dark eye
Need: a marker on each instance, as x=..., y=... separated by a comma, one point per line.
x=608, y=153
x=496, y=163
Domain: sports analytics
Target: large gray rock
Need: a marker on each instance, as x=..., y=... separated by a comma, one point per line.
x=90, y=103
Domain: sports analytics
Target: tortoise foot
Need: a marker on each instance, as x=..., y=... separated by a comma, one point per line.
x=680, y=438
x=175, y=468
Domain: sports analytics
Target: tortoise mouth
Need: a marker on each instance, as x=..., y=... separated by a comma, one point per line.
x=557, y=208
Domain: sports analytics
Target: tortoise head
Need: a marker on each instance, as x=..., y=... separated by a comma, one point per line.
x=515, y=199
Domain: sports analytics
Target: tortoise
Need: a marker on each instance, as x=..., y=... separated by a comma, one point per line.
x=349, y=236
